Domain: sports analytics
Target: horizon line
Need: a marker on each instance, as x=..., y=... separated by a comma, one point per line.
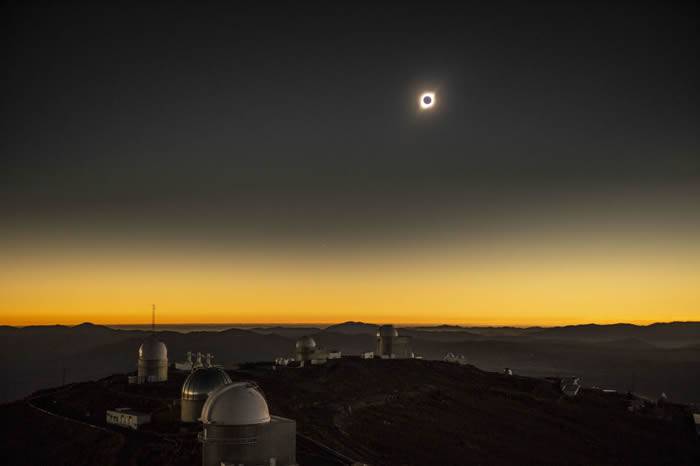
x=328, y=324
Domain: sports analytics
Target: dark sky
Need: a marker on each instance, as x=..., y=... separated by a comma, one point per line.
x=301, y=122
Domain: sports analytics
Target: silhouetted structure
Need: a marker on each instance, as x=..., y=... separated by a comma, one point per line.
x=307, y=351
x=305, y=348
x=153, y=357
x=390, y=345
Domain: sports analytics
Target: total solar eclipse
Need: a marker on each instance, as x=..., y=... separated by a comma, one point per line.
x=427, y=100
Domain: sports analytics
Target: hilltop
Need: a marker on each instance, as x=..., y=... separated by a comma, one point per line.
x=383, y=412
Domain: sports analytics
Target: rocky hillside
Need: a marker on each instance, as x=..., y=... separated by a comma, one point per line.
x=380, y=412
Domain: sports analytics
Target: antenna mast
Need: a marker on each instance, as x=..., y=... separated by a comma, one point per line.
x=153, y=320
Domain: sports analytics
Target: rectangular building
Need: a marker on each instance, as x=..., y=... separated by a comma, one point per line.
x=127, y=417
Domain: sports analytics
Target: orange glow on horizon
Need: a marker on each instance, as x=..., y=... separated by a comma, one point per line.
x=553, y=287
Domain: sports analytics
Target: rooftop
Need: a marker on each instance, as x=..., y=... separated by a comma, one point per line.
x=130, y=411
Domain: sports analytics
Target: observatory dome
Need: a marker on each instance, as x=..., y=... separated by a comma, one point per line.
x=200, y=383
x=237, y=404
x=153, y=349
x=306, y=342
x=387, y=331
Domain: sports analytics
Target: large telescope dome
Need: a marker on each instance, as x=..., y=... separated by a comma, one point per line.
x=153, y=350
x=387, y=331
x=200, y=383
x=306, y=342
x=237, y=404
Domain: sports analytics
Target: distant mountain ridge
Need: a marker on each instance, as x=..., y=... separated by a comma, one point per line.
x=673, y=333
x=353, y=328
x=289, y=332
x=38, y=356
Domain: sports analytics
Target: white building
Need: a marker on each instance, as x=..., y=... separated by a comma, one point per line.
x=571, y=389
x=186, y=365
x=455, y=358
x=127, y=417
x=367, y=355
x=196, y=361
x=570, y=385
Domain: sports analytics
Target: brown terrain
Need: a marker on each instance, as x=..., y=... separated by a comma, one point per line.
x=381, y=412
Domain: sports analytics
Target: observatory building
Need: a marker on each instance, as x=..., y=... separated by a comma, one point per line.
x=390, y=345
x=239, y=430
x=307, y=351
x=305, y=348
x=196, y=389
x=153, y=361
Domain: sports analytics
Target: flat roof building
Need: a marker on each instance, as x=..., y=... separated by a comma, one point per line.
x=127, y=417
x=571, y=389
x=570, y=386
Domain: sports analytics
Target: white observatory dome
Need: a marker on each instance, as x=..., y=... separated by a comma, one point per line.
x=306, y=342
x=200, y=383
x=237, y=404
x=387, y=331
x=153, y=349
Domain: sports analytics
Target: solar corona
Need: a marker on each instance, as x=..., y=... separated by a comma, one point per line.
x=427, y=100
